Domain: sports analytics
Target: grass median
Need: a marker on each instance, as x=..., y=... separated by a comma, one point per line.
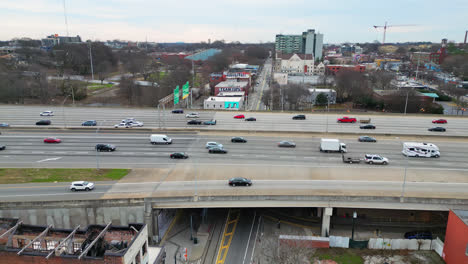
x=20, y=175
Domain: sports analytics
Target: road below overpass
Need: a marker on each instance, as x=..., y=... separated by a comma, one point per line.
x=27, y=116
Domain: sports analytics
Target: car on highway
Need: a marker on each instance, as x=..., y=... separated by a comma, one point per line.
x=346, y=119
x=89, y=123
x=129, y=124
x=366, y=139
x=179, y=155
x=239, y=116
x=178, y=111
x=250, y=119
x=192, y=115
x=418, y=235
x=52, y=140
x=437, y=129
x=239, y=181
x=43, y=123
x=4, y=125
x=194, y=122
x=299, y=117
x=217, y=150
x=81, y=186
x=367, y=127
x=212, y=144
x=439, y=121
x=286, y=144
x=47, y=113
x=105, y=147
x=238, y=140
x=121, y=125
x=375, y=159
x=210, y=122
x=2, y=147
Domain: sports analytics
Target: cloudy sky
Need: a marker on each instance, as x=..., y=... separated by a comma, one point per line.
x=235, y=20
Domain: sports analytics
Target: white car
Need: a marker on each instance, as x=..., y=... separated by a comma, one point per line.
x=47, y=113
x=192, y=115
x=81, y=186
x=213, y=144
x=376, y=159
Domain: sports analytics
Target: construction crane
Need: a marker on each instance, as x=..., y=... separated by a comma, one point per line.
x=387, y=26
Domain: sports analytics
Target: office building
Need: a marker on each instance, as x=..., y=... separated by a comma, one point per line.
x=307, y=43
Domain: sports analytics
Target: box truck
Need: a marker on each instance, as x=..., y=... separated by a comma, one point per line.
x=332, y=145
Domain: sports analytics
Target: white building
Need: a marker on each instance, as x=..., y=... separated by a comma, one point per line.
x=295, y=63
x=281, y=78
x=319, y=69
x=224, y=103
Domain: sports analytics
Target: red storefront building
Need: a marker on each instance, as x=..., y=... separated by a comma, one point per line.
x=456, y=238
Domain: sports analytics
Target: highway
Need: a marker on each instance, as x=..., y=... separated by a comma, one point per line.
x=27, y=116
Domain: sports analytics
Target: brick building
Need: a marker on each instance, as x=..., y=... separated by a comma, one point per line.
x=95, y=244
x=232, y=86
x=334, y=69
x=456, y=238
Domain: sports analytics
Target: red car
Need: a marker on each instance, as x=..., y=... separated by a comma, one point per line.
x=439, y=121
x=346, y=119
x=239, y=116
x=52, y=140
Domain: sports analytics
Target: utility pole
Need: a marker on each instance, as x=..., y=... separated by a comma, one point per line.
x=65, y=15
x=193, y=83
x=91, y=59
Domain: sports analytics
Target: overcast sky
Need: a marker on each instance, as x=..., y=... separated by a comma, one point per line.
x=235, y=20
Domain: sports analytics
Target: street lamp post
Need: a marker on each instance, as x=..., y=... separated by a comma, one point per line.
x=352, y=232
x=63, y=112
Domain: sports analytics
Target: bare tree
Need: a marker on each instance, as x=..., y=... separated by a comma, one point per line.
x=294, y=94
x=103, y=70
x=381, y=79
x=351, y=85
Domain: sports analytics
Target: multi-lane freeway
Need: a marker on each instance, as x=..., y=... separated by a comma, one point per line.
x=27, y=116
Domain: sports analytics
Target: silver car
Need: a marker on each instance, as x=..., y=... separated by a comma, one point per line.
x=81, y=186
x=213, y=144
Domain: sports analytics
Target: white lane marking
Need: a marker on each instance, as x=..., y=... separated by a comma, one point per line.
x=261, y=156
x=60, y=152
x=238, y=155
x=255, y=240
x=37, y=152
x=310, y=157
x=287, y=157
x=49, y=159
x=250, y=235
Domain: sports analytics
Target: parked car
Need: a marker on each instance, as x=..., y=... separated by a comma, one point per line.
x=105, y=147
x=192, y=115
x=179, y=155
x=287, y=144
x=43, y=123
x=439, y=121
x=239, y=181
x=239, y=116
x=178, y=111
x=238, y=140
x=346, y=119
x=250, y=119
x=367, y=139
x=375, y=159
x=367, y=127
x=210, y=122
x=194, y=122
x=217, y=150
x=81, y=186
x=213, y=144
x=437, y=129
x=89, y=123
x=418, y=235
x=52, y=140
x=2, y=147
x=299, y=117
x=47, y=113
x=4, y=125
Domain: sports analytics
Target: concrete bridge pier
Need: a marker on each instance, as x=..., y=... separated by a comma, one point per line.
x=326, y=215
x=152, y=222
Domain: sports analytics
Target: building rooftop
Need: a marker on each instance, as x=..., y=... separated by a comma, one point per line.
x=462, y=214
x=230, y=94
x=312, y=90
x=224, y=99
x=232, y=83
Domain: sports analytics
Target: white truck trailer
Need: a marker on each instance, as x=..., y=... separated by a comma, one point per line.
x=332, y=145
x=415, y=149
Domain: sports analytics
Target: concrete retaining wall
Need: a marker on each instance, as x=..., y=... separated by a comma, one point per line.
x=392, y=244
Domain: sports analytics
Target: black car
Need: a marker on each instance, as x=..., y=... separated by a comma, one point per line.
x=217, y=150
x=367, y=127
x=287, y=144
x=299, y=117
x=89, y=123
x=194, y=122
x=178, y=111
x=2, y=147
x=367, y=139
x=238, y=140
x=437, y=129
x=240, y=181
x=43, y=123
x=418, y=235
x=105, y=147
x=179, y=155
x=250, y=119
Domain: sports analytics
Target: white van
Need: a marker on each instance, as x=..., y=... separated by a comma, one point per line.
x=160, y=139
x=414, y=149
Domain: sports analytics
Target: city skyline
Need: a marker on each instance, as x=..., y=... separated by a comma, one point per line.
x=244, y=21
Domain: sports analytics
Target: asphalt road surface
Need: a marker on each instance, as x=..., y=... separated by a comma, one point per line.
x=240, y=250
x=27, y=116
x=26, y=149
x=255, y=99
